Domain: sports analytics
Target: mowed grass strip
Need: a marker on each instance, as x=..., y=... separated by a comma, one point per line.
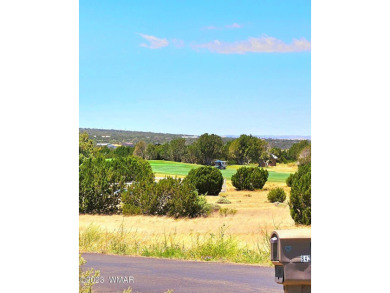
x=171, y=168
x=161, y=167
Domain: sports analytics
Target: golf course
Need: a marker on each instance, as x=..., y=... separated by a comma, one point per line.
x=162, y=168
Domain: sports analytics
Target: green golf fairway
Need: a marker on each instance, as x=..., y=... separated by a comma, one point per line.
x=182, y=169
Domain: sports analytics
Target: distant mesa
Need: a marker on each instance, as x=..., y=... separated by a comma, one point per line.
x=292, y=137
x=115, y=138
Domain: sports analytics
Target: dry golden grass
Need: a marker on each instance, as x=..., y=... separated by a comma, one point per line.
x=254, y=216
x=284, y=168
x=165, y=175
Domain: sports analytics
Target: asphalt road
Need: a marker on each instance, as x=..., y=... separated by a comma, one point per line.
x=153, y=275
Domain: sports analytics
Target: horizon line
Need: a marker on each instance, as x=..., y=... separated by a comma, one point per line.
x=222, y=135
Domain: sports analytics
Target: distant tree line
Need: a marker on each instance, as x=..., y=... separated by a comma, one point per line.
x=246, y=149
x=121, y=136
x=125, y=136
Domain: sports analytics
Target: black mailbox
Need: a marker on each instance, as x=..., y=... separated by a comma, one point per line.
x=291, y=255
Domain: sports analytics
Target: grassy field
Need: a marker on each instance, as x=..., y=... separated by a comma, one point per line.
x=241, y=238
x=278, y=173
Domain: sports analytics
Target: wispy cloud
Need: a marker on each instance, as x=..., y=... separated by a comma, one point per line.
x=263, y=44
x=154, y=42
x=234, y=25
x=211, y=27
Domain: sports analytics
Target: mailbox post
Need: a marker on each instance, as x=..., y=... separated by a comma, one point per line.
x=291, y=255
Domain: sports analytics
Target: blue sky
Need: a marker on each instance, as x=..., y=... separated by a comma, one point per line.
x=224, y=67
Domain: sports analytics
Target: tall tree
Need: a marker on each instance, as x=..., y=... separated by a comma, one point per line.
x=276, y=151
x=152, y=152
x=177, y=149
x=140, y=149
x=191, y=155
x=248, y=149
x=163, y=151
x=209, y=148
x=281, y=154
x=225, y=150
x=296, y=148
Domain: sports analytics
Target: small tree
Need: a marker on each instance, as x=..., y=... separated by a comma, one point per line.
x=163, y=151
x=209, y=147
x=247, y=149
x=276, y=195
x=206, y=179
x=152, y=152
x=296, y=148
x=177, y=149
x=300, y=195
x=140, y=149
x=191, y=155
x=250, y=178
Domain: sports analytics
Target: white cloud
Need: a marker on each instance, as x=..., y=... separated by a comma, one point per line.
x=234, y=25
x=212, y=27
x=263, y=44
x=154, y=42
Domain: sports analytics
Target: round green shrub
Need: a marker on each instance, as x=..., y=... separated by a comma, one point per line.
x=250, y=178
x=207, y=180
x=169, y=196
x=276, y=194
